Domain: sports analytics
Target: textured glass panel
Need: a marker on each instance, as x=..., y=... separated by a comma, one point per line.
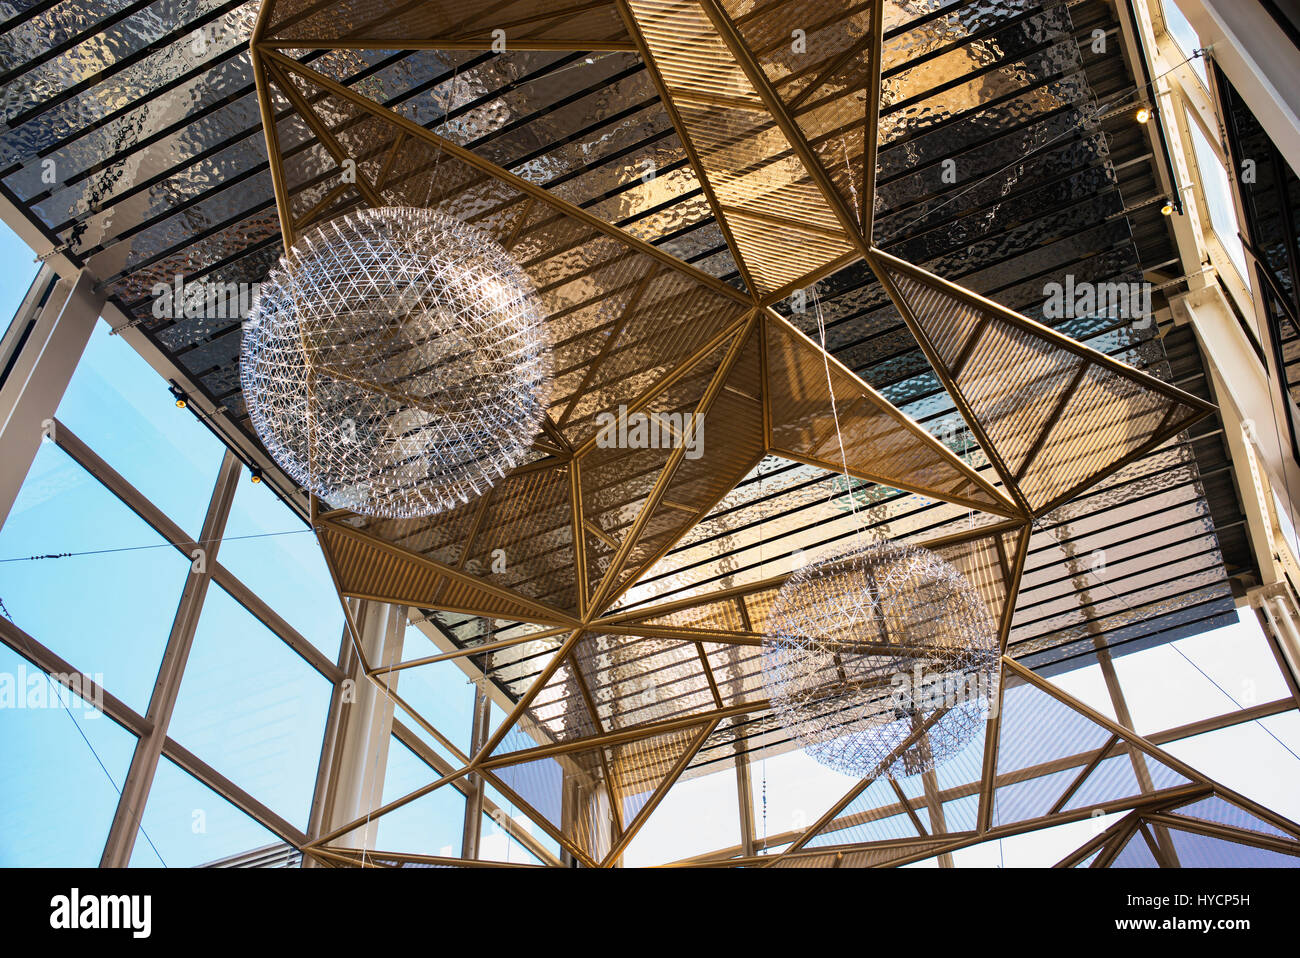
x=1037, y=728
x=1202, y=851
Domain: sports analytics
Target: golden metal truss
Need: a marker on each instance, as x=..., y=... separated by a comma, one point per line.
x=783, y=141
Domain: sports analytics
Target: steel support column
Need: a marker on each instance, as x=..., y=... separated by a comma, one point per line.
x=1259, y=59
x=355, y=782
x=148, y=749
x=60, y=324
x=469, y=841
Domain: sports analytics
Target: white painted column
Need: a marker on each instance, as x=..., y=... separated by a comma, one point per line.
x=1259, y=59
x=356, y=785
x=40, y=375
x=1245, y=395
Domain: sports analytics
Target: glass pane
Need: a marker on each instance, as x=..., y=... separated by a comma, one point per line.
x=494, y=842
x=1258, y=759
x=1218, y=197
x=1200, y=676
x=496, y=845
x=252, y=708
x=56, y=802
x=13, y=285
x=274, y=553
x=188, y=824
x=790, y=792
x=120, y=407
x=440, y=692
x=695, y=817
x=1037, y=849
x=1087, y=684
x=127, y=590
x=432, y=824
x=1184, y=35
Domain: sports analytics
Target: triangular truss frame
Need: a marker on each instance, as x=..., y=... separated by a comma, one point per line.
x=809, y=115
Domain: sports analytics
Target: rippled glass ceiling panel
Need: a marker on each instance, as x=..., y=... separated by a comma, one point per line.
x=520, y=21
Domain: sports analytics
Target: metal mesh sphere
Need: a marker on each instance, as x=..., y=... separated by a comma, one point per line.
x=395, y=363
x=864, y=652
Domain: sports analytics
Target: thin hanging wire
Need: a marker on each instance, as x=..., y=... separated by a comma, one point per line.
x=447, y=106
x=839, y=436
x=62, y=699
x=152, y=545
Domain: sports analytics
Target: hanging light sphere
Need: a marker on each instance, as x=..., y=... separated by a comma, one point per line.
x=396, y=362
x=882, y=662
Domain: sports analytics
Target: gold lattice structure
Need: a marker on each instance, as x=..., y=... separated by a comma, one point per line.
x=784, y=147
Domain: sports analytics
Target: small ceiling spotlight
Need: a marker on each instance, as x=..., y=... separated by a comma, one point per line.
x=182, y=400
x=1169, y=208
x=254, y=475
x=1143, y=114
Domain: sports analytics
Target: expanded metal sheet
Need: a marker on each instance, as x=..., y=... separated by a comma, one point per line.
x=818, y=59
x=1057, y=420
x=782, y=225
x=874, y=440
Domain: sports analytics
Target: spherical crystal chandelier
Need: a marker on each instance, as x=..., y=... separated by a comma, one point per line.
x=881, y=662
x=396, y=363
